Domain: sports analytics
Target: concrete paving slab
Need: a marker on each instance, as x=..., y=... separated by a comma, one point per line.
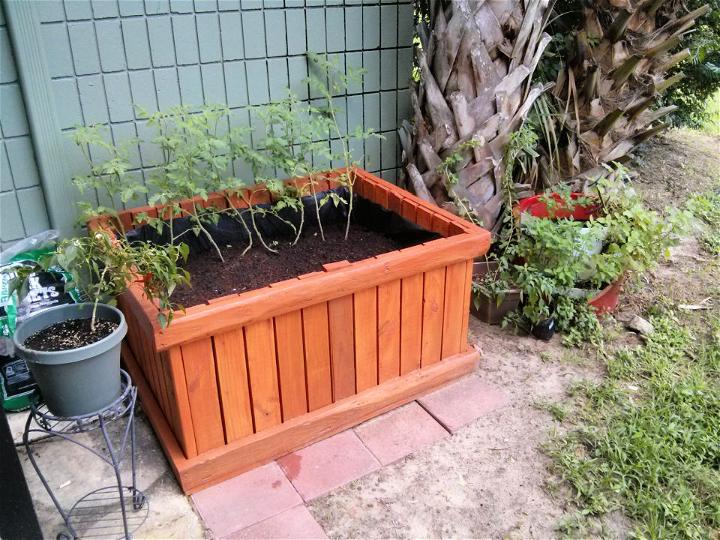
x=400, y=432
x=328, y=464
x=296, y=523
x=462, y=402
x=73, y=471
x=245, y=500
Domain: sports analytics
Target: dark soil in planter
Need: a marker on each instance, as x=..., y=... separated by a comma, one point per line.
x=374, y=230
x=70, y=334
x=258, y=267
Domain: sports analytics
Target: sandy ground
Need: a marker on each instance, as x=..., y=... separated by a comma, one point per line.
x=490, y=479
x=73, y=471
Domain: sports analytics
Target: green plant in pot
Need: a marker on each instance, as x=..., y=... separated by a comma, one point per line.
x=73, y=350
x=561, y=265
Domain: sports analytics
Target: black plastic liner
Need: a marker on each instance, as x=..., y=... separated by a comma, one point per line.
x=229, y=230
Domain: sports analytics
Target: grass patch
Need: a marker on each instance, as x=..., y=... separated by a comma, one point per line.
x=706, y=208
x=711, y=120
x=647, y=438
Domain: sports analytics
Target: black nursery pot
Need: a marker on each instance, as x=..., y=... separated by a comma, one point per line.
x=544, y=330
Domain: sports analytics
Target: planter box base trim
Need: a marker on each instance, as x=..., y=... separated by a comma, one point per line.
x=230, y=460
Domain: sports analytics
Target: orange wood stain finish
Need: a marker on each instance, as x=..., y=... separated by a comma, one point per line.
x=249, y=377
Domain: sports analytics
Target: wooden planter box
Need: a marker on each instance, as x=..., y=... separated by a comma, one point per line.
x=247, y=378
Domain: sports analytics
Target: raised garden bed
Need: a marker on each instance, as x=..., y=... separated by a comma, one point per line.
x=245, y=378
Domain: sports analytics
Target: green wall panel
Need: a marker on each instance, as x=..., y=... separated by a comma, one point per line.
x=22, y=205
x=106, y=56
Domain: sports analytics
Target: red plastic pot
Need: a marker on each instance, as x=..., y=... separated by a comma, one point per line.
x=537, y=207
x=607, y=300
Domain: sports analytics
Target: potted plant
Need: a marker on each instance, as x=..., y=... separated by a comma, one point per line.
x=571, y=269
x=73, y=350
x=493, y=296
x=316, y=302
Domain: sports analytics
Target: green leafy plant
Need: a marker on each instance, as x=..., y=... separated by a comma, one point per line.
x=559, y=264
x=706, y=208
x=107, y=178
x=328, y=81
x=103, y=266
x=647, y=437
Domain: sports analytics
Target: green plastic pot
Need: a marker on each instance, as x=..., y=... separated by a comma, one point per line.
x=77, y=381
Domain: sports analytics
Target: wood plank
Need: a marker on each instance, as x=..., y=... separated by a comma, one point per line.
x=262, y=368
x=291, y=364
x=409, y=210
x=395, y=203
x=424, y=218
x=222, y=463
x=182, y=425
x=466, y=308
x=342, y=347
x=232, y=377
x=366, y=363
x=441, y=225
x=381, y=195
x=261, y=304
x=411, y=323
x=163, y=430
x=199, y=364
x=433, y=304
x=453, y=310
x=388, y=331
x=317, y=356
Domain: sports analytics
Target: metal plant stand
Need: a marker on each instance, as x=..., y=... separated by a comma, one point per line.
x=96, y=513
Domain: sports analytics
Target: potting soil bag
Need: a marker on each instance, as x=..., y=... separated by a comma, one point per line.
x=45, y=289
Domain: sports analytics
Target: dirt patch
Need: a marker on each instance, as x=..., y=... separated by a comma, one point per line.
x=675, y=165
x=488, y=479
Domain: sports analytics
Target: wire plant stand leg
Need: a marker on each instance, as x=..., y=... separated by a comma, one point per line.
x=92, y=514
x=31, y=457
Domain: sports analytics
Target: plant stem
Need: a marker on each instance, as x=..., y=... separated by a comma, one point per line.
x=317, y=207
x=197, y=220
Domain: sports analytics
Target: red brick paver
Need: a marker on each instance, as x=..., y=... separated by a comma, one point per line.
x=246, y=499
x=460, y=403
x=295, y=523
x=400, y=432
x=326, y=465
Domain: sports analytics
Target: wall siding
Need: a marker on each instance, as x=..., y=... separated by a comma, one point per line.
x=105, y=57
x=22, y=204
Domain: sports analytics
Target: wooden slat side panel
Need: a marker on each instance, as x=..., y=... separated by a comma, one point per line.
x=199, y=363
x=317, y=355
x=365, y=322
x=453, y=310
x=262, y=367
x=466, y=308
x=260, y=448
x=342, y=347
x=411, y=323
x=291, y=364
x=165, y=401
x=388, y=331
x=182, y=423
x=433, y=303
x=234, y=387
